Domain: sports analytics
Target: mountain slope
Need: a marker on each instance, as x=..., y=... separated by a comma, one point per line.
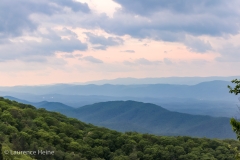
x=50, y=106
x=25, y=128
x=216, y=108
x=143, y=117
x=153, y=118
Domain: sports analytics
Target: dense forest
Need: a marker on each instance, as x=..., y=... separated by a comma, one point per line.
x=25, y=128
x=125, y=116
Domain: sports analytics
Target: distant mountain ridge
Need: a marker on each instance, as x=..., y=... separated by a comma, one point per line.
x=25, y=128
x=143, y=117
x=197, y=106
x=154, y=119
x=162, y=80
x=207, y=90
x=133, y=81
x=51, y=106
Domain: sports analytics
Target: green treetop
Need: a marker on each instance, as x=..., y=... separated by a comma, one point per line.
x=236, y=89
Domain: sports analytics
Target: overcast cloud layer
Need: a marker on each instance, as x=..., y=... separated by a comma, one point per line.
x=40, y=31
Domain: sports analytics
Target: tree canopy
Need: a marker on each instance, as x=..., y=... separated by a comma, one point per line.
x=236, y=89
x=25, y=128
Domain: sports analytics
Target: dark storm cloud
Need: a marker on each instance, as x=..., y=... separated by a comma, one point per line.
x=102, y=41
x=15, y=15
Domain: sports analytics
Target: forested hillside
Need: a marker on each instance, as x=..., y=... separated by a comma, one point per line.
x=215, y=108
x=142, y=117
x=150, y=118
x=25, y=128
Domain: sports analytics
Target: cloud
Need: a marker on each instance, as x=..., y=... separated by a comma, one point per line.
x=185, y=22
x=78, y=55
x=92, y=59
x=197, y=45
x=129, y=51
x=167, y=61
x=74, y=5
x=47, y=45
x=68, y=56
x=142, y=61
x=172, y=21
x=178, y=7
x=199, y=62
x=229, y=53
x=100, y=47
x=164, y=23
x=102, y=41
x=37, y=59
x=15, y=15
x=128, y=63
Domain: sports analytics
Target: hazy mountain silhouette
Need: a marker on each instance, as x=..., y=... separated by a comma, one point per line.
x=51, y=106
x=142, y=117
x=163, y=80
x=213, y=90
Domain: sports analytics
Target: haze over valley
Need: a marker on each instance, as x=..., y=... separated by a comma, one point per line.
x=119, y=80
x=206, y=98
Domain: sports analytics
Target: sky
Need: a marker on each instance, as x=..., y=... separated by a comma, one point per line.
x=64, y=41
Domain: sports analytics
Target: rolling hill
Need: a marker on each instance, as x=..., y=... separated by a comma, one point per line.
x=150, y=118
x=216, y=108
x=50, y=135
x=50, y=106
x=143, y=117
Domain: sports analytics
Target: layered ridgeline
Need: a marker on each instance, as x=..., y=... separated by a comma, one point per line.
x=25, y=128
x=150, y=118
x=213, y=90
x=207, y=98
x=143, y=117
x=215, y=108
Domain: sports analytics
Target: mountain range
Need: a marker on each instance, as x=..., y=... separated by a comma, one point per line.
x=143, y=117
x=51, y=135
x=213, y=90
x=217, y=108
x=149, y=118
x=162, y=80
x=206, y=98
